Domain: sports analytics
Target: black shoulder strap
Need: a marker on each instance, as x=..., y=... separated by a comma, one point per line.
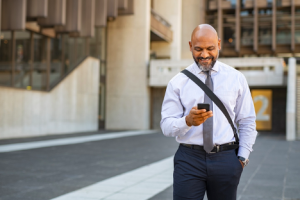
x=214, y=98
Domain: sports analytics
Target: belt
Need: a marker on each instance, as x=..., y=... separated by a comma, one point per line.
x=216, y=149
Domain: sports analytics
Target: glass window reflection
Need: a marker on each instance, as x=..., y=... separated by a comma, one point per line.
x=22, y=58
x=247, y=28
x=283, y=26
x=265, y=27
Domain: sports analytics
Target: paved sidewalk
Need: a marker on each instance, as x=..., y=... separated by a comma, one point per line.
x=272, y=174
x=49, y=172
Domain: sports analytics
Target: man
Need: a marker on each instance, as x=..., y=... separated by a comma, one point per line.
x=198, y=165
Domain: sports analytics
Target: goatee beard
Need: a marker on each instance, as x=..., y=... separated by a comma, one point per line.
x=208, y=67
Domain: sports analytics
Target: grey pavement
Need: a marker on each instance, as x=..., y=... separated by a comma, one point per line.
x=45, y=173
x=272, y=174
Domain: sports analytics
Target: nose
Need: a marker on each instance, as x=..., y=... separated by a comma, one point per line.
x=204, y=54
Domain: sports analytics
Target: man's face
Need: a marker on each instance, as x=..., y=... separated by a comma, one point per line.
x=205, y=50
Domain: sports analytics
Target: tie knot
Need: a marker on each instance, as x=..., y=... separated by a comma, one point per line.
x=207, y=72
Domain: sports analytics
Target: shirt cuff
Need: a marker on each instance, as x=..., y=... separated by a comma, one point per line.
x=181, y=127
x=243, y=152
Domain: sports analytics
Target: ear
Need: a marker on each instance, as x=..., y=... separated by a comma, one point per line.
x=219, y=44
x=190, y=43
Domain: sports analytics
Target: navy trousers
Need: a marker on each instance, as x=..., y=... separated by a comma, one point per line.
x=196, y=171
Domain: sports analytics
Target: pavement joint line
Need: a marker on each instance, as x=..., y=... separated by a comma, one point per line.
x=129, y=188
x=72, y=140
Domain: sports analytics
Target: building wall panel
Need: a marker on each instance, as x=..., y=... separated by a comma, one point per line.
x=189, y=22
x=128, y=94
x=88, y=18
x=129, y=10
x=112, y=9
x=100, y=13
x=73, y=17
x=122, y=4
x=70, y=107
x=173, y=15
x=56, y=14
x=37, y=8
x=13, y=14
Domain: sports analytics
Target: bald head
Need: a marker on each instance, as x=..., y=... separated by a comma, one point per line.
x=205, y=46
x=204, y=30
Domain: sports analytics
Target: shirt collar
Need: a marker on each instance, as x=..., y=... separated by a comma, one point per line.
x=215, y=67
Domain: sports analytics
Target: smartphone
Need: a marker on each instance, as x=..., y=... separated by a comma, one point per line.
x=203, y=106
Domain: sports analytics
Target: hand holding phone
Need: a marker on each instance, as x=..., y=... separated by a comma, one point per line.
x=205, y=106
x=197, y=115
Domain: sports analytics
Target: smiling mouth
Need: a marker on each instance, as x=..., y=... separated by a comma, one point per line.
x=205, y=59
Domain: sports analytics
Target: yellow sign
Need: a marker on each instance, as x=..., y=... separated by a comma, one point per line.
x=263, y=108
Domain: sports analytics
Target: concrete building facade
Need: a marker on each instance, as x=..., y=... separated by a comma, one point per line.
x=69, y=107
x=127, y=60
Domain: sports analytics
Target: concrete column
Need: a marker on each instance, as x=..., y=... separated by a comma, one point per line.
x=128, y=94
x=220, y=22
x=291, y=101
x=238, y=26
x=293, y=25
x=170, y=10
x=255, y=26
x=189, y=22
x=274, y=9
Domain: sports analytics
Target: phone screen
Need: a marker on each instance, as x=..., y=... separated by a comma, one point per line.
x=203, y=106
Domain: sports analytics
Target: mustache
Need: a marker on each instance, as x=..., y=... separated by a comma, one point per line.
x=206, y=58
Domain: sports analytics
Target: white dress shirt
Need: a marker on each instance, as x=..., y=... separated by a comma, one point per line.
x=232, y=89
